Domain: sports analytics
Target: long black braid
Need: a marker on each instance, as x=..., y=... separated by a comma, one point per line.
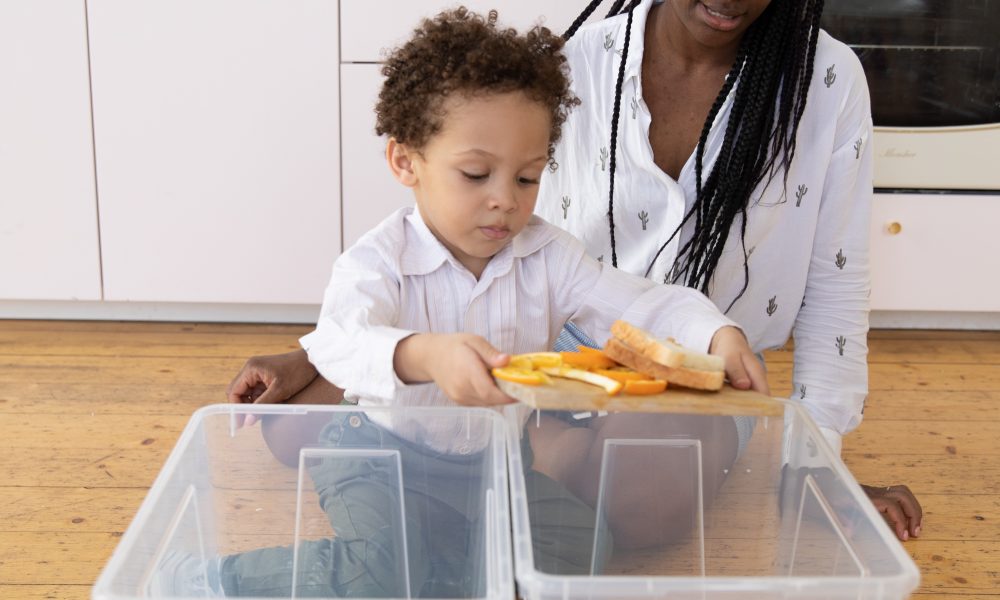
x=773, y=67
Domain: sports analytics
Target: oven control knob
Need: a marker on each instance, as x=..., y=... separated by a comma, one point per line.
x=894, y=227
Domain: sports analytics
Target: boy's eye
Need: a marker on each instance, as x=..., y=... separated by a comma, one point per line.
x=527, y=181
x=475, y=176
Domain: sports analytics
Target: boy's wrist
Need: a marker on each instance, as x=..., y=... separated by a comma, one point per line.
x=726, y=332
x=408, y=361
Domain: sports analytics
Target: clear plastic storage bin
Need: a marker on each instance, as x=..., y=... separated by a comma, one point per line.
x=324, y=502
x=674, y=506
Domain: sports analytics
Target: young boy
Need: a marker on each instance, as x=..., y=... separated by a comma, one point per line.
x=424, y=305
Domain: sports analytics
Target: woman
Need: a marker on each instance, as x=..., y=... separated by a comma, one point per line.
x=737, y=138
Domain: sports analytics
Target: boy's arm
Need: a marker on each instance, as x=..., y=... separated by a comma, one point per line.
x=358, y=346
x=458, y=363
x=594, y=295
x=598, y=294
x=356, y=335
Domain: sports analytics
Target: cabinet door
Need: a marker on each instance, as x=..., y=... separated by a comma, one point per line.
x=48, y=211
x=368, y=30
x=935, y=252
x=370, y=191
x=217, y=141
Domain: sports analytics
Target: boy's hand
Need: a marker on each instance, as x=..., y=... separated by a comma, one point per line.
x=743, y=369
x=458, y=363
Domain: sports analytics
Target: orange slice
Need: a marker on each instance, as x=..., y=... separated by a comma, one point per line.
x=587, y=360
x=539, y=359
x=522, y=376
x=520, y=363
x=646, y=387
x=586, y=349
x=623, y=374
x=611, y=386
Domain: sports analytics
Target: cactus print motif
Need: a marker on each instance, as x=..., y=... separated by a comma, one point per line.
x=644, y=218
x=841, y=259
x=802, y=391
x=857, y=149
x=841, y=342
x=604, y=158
x=772, y=305
x=831, y=76
x=800, y=193
x=609, y=41
x=565, y=206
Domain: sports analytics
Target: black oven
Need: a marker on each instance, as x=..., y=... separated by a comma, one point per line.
x=933, y=68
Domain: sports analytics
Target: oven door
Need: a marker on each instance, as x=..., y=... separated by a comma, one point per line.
x=933, y=67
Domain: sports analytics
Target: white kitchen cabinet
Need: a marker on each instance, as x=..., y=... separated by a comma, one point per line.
x=933, y=252
x=370, y=192
x=218, y=148
x=48, y=212
x=370, y=28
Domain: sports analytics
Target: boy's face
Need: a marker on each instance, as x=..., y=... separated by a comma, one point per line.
x=476, y=181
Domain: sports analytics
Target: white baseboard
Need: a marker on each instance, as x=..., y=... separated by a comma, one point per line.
x=158, y=311
x=891, y=319
x=307, y=313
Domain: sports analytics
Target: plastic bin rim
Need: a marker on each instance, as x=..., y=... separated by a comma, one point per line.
x=100, y=589
x=525, y=573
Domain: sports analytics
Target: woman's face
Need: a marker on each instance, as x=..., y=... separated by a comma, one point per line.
x=716, y=23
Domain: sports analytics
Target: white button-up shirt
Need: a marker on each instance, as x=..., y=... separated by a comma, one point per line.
x=808, y=241
x=398, y=280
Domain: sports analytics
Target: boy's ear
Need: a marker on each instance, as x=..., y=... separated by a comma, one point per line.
x=400, y=158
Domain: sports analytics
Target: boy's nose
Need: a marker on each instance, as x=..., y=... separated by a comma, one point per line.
x=504, y=197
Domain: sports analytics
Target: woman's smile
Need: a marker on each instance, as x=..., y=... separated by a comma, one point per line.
x=719, y=18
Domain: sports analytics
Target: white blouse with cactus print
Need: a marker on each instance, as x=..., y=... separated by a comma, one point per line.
x=807, y=239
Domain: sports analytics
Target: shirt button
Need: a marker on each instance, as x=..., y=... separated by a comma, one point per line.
x=355, y=421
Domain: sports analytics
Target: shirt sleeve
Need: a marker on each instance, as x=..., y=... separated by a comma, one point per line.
x=593, y=295
x=355, y=339
x=831, y=330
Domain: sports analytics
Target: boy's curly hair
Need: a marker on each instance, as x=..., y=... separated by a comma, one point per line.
x=459, y=51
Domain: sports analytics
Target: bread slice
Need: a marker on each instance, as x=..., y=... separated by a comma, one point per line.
x=669, y=355
x=666, y=352
x=690, y=378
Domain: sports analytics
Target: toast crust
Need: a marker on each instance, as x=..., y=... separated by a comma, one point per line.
x=640, y=341
x=682, y=376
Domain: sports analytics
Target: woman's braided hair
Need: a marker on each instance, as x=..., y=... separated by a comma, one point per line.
x=460, y=52
x=774, y=66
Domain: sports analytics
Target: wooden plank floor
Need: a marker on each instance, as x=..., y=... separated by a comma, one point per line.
x=90, y=410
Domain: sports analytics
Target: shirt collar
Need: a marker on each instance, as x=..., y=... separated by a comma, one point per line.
x=637, y=41
x=424, y=253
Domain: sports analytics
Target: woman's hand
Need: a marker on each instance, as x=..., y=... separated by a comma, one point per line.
x=458, y=363
x=743, y=369
x=899, y=507
x=271, y=379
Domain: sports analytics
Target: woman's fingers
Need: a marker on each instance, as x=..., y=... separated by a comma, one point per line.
x=893, y=515
x=909, y=505
x=899, y=507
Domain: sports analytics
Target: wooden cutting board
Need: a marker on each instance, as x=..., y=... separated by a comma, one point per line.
x=567, y=394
